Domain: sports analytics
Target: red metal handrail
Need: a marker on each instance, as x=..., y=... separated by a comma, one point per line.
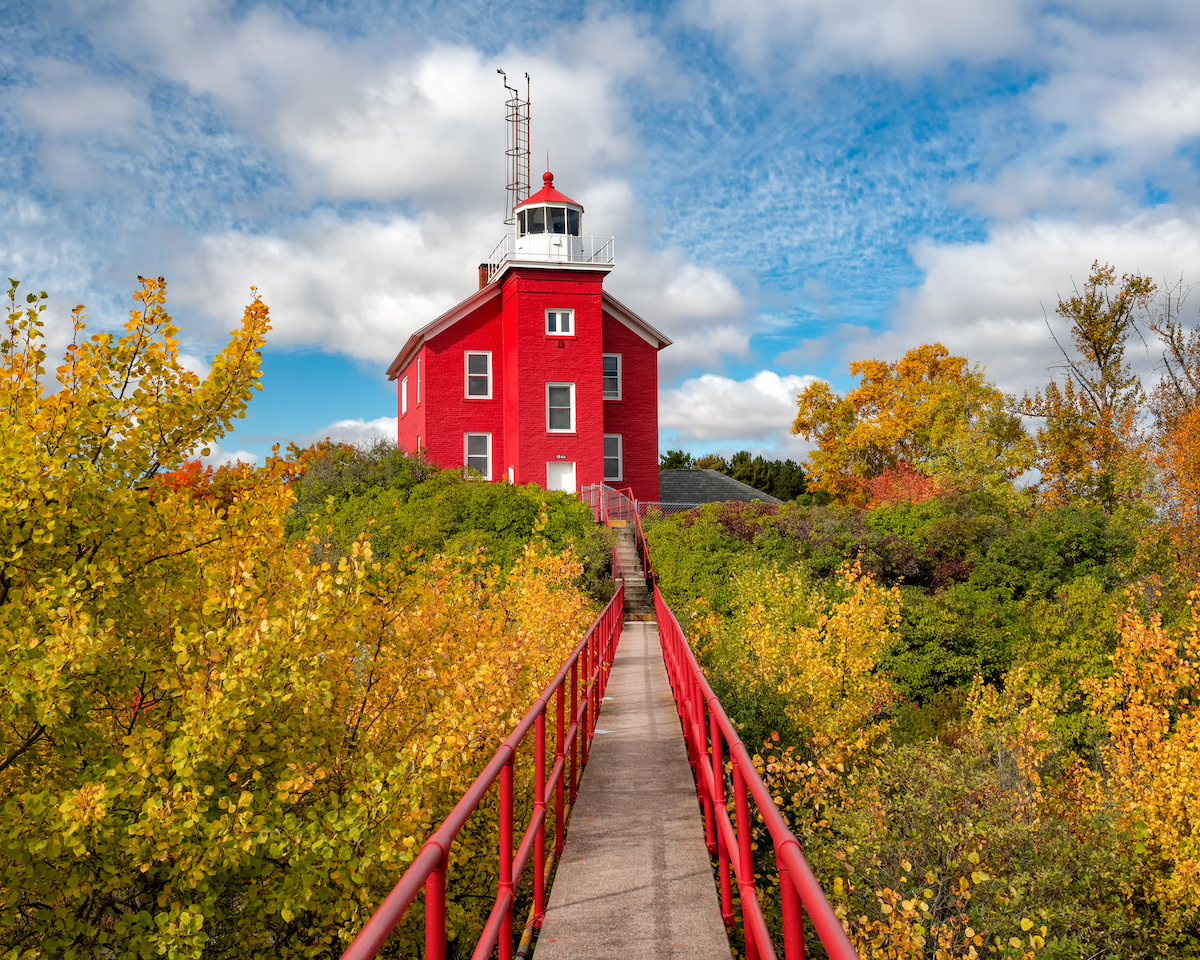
x=428, y=870
x=609, y=503
x=596, y=496
x=799, y=890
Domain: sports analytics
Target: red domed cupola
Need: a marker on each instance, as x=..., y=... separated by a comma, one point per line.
x=548, y=211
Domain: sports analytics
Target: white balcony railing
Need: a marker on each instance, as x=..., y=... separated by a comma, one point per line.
x=550, y=248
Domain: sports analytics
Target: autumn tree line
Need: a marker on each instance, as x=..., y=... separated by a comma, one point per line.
x=971, y=676
x=1099, y=437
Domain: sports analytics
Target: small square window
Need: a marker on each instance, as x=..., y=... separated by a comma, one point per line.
x=612, y=457
x=560, y=323
x=479, y=375
x=404, y=396
x=560, y=407
x=477, y=454
x=612, y=376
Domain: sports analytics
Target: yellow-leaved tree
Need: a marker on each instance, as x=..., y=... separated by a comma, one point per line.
x=1088, y=448
x=1151, y=781
x=1175, y=403
x=211, y=743
x=929, y=410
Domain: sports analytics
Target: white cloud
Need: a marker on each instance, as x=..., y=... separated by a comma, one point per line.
x=1115, y=94
x=698, y=307
x=358, y=430
x=377, y=119
x=715, y=409
x=69, y=100
x=1111, y=114
x=986, y=300
x=352, y=286
x=220, y=457
x=68, y=105
x=810, y=36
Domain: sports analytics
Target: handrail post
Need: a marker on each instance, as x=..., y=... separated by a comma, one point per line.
x=574, y=723
x=539, y=813
x=597, y=637
x=745, y=871
x=585, y=728
x=435, y=911
x=718, y=762
x=793, y=915
x=560, y=786
x=689, y=718
x=505, y=883
x=710, y=814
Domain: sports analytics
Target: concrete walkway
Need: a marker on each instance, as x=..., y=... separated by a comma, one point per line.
x=634, y=881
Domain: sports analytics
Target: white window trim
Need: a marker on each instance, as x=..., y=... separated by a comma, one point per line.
x=418, y=381
x=620, y=456
x=546, y=321
x=467, y=354
x=550, y=384
x=478, y=433
x=620, y=378
x=403, y=396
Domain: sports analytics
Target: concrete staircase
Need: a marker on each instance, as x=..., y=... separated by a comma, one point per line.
x=639, y=603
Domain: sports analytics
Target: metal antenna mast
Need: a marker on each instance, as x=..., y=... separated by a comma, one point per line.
x=516, y=150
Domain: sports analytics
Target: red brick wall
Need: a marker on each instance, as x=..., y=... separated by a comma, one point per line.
x=411, y=425
x=533, y=359
x=449, y=413
x=635, y=415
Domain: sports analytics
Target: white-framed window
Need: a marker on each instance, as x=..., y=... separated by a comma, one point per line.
x=560, y=323
x=418, y=381
x=614, y=461
x=403, y=396
x=612, y=376
x=477, y=373
x=477, y=453
x=560, y=407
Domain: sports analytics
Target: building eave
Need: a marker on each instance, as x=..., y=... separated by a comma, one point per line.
x=618, y=311
x=413, y=345
x=511, y=263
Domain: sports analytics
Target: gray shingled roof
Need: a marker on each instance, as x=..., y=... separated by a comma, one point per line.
x=705, y=486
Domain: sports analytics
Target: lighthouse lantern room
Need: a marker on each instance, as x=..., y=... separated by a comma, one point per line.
x=540, y=375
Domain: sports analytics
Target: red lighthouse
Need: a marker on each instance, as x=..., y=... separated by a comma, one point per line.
x=540, y=376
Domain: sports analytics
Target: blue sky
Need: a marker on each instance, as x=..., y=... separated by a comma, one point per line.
x=791, y=184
